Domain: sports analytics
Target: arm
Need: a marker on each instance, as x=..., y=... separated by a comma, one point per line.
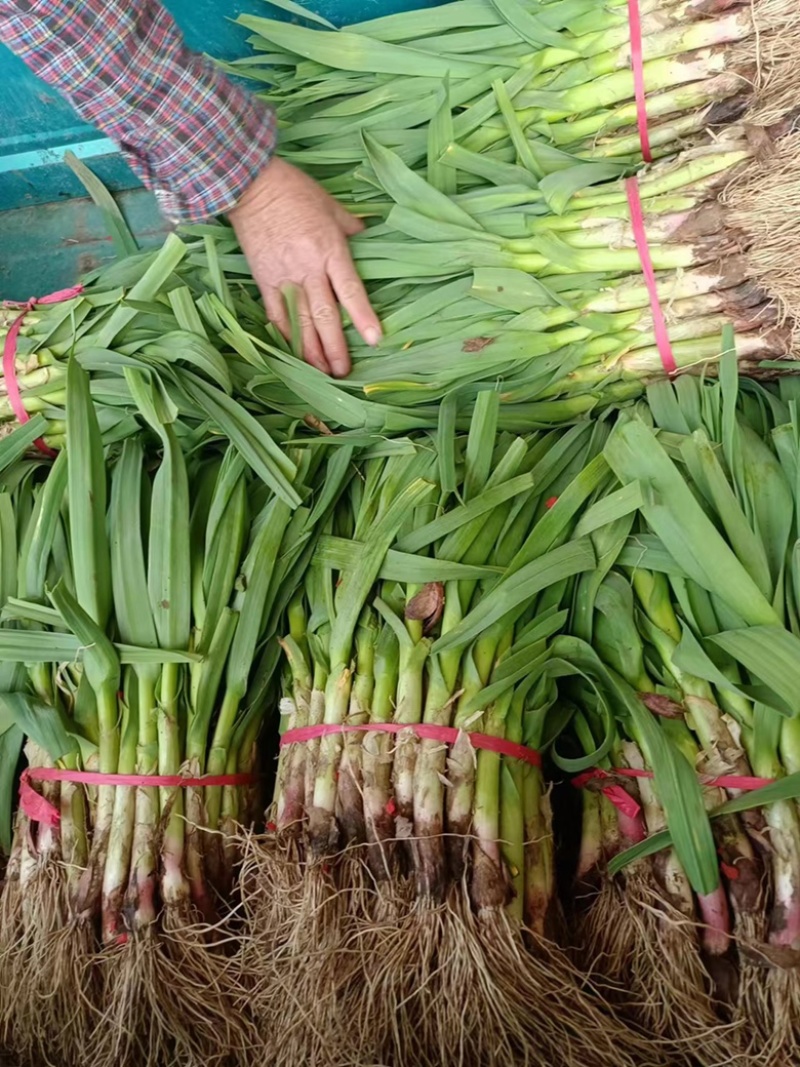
x=189, y=134
x=204, y=146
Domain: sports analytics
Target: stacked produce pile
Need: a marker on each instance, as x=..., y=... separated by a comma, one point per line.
x=142, y=585
x=689, y=637
x=451, y=583
x=406, y=892
x=533, y=84
x=466, y=594
x=514, y=252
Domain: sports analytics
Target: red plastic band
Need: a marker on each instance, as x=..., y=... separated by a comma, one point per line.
x=637, y=64
x=10, y=354
x=619, y=797
x=720, y=781
x=38, y=809
x=446, y=734
x=642, y=247
x=622, y=800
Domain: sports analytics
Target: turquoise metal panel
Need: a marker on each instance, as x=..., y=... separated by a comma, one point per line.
x=50, y=246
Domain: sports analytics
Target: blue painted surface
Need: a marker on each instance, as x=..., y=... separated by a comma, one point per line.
x=51, y=246
x=49, y=233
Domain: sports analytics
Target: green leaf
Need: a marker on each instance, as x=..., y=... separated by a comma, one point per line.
x=440, y=134
x=8, y=549
x=42, y=536
x=459, y=516
x=225, y=539
x=128, y=570
x=787, y=788
x=445, y=443
x=248, y=436
x=99, y=656
x=675, y=780
x=14, y=445
x=610, y=508
x=181, y=347
x=342, y=554
x=42, y=723
x=356, y=584
x=709, y=476
x=158, y=270
x=113, y=220
x=86, y=492
x=168, y=560
x=769, y=653
x=410, y=190
x=532, y=29
x=10, y=750
x=258, y=574
x=519, y=589
x=559, y=187
x=522, y=147
x=480, y=442
x=673, y=513
x=351, y=51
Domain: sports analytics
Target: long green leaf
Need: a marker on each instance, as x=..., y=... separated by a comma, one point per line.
x=769, y=653
x=87, y=499
x=14, y=445
x=673, y=513
x=168, y=559
x=128, y=569
x=519, y=589
x=249, y=437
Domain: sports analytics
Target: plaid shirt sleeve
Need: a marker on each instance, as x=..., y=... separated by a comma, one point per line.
x=190, y=134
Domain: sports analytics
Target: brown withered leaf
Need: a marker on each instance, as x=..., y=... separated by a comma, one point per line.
x=427, y=606
x=782, y=957
x=661, y=705
x=317, y=424
x=477, y=344
x=597, y=785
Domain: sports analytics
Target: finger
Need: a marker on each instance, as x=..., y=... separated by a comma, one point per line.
x=312, y=349
x=353, y=297
x=276, y=312
x=349, y=223
x=328, y=324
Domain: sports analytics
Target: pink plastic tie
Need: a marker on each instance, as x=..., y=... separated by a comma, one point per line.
x=622, y=800
x=642, y=247
x=637, y=64
x=38, y=809
x=619, y=796
x=446, y=734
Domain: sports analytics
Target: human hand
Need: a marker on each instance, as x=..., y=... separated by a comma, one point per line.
x=294, y=234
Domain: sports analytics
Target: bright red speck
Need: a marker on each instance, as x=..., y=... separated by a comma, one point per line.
x=731, y=873
x=549, y=503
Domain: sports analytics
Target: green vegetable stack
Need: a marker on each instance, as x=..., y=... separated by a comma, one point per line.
x=483, y=144
x=405, y=891
x=695, y=641
x=143, y=587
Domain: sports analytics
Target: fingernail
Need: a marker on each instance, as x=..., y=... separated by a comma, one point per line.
x=372, y=335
